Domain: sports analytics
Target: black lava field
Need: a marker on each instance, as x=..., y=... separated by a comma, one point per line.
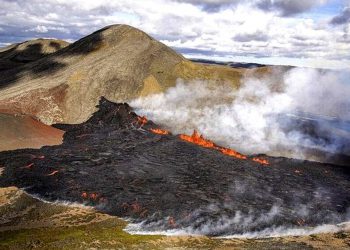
x=116, y=163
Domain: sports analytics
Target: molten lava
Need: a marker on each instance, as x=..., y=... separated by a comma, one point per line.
x=94, y=196
x=231, y=152
x=171, y=221
x=142, y=120
x=159, y=131
x=261, y=161
x=196, y=138
x=52, y=173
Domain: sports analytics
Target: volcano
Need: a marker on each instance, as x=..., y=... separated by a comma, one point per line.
x=118, y=61
x=115, y=162
x=90, y=123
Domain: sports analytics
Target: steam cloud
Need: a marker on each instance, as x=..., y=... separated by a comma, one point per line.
x=225, y=220
x=287, y=113
x=253, y=222
x=138, y=228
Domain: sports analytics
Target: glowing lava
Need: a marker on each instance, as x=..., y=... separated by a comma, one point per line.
x=159, y=131
x=198, y=139
x=84, y=195
x=142, y=120
x=231, y=152
x=261, y=161
x=171, y=221
x=92, y=196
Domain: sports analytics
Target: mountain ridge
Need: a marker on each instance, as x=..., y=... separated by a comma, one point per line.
x=118, y=61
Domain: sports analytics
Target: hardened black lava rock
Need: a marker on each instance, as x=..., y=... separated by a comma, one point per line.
x=117, y=164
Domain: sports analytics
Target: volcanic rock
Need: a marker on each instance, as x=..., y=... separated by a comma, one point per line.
x=115, y=163
x=49, y=225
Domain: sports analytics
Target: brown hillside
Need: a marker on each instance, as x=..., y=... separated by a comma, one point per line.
x=118, y=62
x=23, y=131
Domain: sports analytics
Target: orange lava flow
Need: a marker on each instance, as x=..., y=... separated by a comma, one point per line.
x=196, y=138
x=159, y=131
x=142, y=120
x=261, y=161
x=231, y=152
x=93, y=196
x=53, y=173
x=171, y=221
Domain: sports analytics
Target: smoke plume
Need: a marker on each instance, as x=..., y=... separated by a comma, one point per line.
x=298, y=113
x=228, y=220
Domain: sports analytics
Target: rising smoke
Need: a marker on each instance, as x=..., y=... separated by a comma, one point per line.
x=287, y=113
x=230, y=219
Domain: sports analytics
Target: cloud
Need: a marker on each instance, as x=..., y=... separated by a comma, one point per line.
x=39, y=29
x=225, y=29
x=257, y=36
x=211, y=5
x=342, y=18
x=288, y=7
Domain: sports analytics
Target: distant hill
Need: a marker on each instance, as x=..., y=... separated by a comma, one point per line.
x=18, y=54
x=231, y=64
x=119, y=62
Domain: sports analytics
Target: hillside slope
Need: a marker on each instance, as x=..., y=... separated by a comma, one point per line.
x=19, y=54
x=22, y=131
x=119, y=62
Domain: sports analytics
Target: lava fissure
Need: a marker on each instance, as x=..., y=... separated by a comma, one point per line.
x=167, y=184
x=159, y=131
x=198, y=139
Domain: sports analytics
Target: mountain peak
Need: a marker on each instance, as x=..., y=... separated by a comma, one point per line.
x=111, y=36
x=119, y=62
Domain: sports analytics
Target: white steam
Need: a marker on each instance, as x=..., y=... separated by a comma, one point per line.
x=226, y=221
x=249, y=118
x=138, y=228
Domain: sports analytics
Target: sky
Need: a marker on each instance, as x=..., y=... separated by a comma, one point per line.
x=310, y=33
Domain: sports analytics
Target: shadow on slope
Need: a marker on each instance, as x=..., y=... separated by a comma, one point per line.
x=41, y=57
